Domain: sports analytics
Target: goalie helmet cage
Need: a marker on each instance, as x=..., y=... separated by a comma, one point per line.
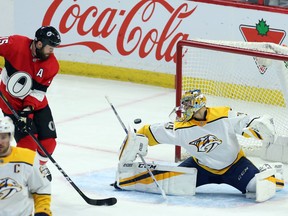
x=250, y=77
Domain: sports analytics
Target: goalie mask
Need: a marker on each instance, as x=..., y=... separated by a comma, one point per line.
x=191, y=102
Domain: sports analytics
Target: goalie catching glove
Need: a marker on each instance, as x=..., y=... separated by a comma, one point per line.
x=261, y=128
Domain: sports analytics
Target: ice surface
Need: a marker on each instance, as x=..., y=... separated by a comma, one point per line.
x=89, y=136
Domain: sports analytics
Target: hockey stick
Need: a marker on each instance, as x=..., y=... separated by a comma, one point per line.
x=153, y=177
x=97, y=202
x=141, y=157
x=117, y=115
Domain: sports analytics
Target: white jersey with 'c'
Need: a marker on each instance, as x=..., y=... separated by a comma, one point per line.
x=22, y=182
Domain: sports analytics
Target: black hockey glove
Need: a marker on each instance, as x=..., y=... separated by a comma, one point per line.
x=41, y=214
x=24, y=123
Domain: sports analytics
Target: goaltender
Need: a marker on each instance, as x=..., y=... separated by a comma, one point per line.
x=209, y=134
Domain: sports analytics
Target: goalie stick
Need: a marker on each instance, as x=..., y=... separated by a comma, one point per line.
x=96, y=202
x=141, y=157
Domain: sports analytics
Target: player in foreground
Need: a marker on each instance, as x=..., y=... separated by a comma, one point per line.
x=30, y=67
x=24, y=184
x=209, y=135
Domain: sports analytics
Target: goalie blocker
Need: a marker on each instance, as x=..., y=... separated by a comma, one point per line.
x=134, y=175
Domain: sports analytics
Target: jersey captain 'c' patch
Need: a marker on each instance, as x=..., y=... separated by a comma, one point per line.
x=206, y=143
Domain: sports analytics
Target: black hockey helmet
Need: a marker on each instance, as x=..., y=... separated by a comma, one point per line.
x=48, y=35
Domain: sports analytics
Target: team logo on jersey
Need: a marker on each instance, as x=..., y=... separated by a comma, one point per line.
x=8, y=187
x=19, y=84
x=206, y=143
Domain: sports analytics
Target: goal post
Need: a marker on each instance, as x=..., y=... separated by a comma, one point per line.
x=250, y=77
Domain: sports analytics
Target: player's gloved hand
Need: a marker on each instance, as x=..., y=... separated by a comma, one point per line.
x=25, y=121
x=41, y=214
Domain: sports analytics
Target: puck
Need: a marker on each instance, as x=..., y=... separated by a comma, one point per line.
x=137, y=121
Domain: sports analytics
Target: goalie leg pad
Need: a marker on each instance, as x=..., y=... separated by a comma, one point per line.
x=277, y=151
x=278, y=178
x=267, y=182
x=265, y=185
x=173, y=180
x=134, y=144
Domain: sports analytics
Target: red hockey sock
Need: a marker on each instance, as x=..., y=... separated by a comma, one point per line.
x=27, y=142
x=49, y=144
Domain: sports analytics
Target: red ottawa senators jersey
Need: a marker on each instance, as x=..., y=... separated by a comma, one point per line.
x=24, y=79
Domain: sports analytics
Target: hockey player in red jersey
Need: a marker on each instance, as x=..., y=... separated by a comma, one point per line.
x=29, y=69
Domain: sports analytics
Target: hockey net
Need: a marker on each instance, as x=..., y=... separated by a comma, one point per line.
x=250, y=77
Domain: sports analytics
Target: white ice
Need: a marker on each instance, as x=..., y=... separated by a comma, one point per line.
x=89, y=136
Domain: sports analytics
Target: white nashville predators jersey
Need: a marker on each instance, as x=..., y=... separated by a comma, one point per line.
x=22, y=182
x=213, y=143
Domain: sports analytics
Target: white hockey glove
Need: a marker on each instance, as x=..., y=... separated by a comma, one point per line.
x=134, y=144
x=261, y=128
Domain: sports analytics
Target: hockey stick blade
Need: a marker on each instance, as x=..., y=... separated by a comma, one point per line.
x=97, y=202
x=101, y=202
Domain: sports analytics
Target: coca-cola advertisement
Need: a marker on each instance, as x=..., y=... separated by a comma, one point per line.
x=140, y=34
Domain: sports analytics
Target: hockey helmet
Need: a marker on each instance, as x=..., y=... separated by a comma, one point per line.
x=48, y=35
x=6, y=125
x=191, y=102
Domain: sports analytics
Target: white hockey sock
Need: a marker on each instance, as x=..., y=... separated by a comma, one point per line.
x=42, y=160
